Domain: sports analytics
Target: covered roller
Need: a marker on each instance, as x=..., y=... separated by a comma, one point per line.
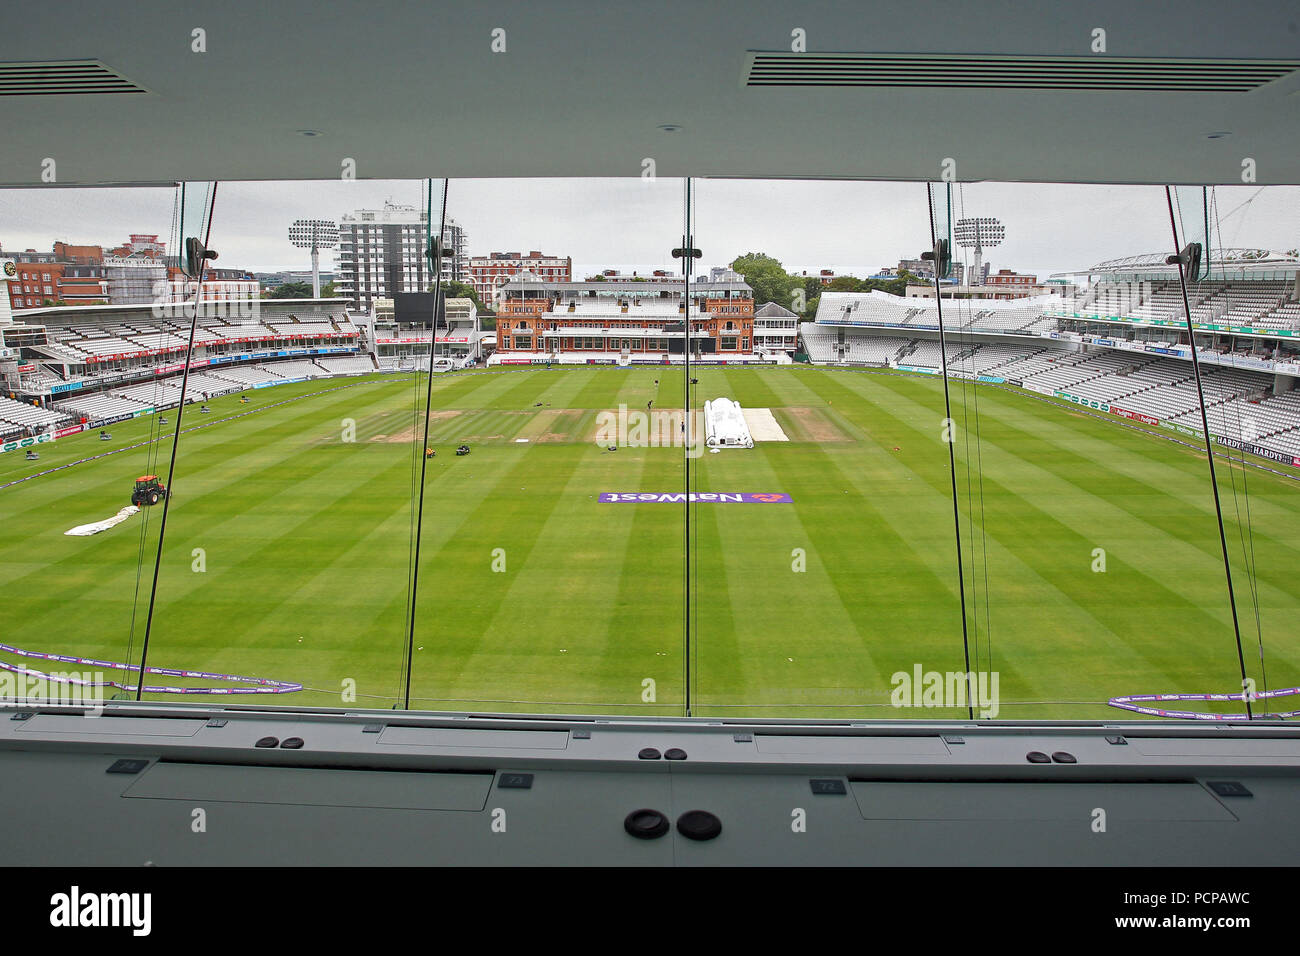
x=724, y=425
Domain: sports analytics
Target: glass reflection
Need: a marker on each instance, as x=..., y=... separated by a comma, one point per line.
x=732, y=485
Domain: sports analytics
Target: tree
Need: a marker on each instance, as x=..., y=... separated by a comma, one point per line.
x=767, y=277
x=327, y=291
x=896, y=286
x=290, y=290
x=461, y=290
x=812, y=293
x=846, y=284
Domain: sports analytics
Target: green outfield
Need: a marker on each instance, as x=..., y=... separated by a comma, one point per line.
x=287, y=549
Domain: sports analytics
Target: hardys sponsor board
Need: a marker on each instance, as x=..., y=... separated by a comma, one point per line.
x=678, y=497
x=1261, y=450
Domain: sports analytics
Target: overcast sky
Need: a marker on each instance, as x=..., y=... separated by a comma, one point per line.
x=850, y=227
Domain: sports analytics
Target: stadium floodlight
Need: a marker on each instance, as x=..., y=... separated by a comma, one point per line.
x=314, y=234
x=978, y=234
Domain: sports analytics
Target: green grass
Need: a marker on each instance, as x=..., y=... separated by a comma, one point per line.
x=305, y=538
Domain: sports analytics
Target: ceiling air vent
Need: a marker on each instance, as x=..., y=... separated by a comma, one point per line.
x=947, y=71
x=64, y=78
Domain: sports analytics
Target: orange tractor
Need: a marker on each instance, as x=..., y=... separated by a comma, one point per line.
x=148, y=490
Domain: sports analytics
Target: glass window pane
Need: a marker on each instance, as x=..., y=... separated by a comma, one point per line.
x=72, y=546
x=1091, y=554
x=829, y=569
x=283, y=571
x=546, y=583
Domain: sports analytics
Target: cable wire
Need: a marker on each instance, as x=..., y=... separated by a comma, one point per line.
x=688, y=540
x=176, y=439
x=1209, y=448
x=1246, y=535
x=151, y=450
x=436, y=252
x=952, y=460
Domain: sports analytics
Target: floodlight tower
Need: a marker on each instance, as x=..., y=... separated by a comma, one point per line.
x=314, y=234
x=978, y=234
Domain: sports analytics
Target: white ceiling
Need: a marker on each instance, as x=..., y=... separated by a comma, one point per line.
x=412, y=89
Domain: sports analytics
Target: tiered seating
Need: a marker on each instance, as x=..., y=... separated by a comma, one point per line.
x=992, y=358
x=100, y=346
x=926, y=317
x=205, y=385
x=21, y=415
x=1163, y=388
x=1004, y=320
x=60, y=352
x=1040, y=361
x=245, y=375
x=153, y=394
x=248, y=330
x=1260, y=419
x=296, y=369
x=1286, y=316
x=160, y=340
x=864, y=347
x=1288, y=442
x=1264, y=304
x=1219, y=385
x=1108, y=388
x=99, y=405
x=79, y=342
x=820, y=341
x=1281, y=408
x=877, y=308
x=299, y=329
x=1166, y=302
x=1061, y=376
x=927, y=354
x=1247, y=302
x=346, y=363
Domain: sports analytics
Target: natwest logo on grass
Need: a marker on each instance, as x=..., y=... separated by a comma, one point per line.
x=678, y=497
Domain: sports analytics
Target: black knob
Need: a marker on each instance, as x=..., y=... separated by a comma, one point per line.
x=645, y=824
x=649, y=753
x=698, y=825
x=676, y=753
x=1062, y=757
x=1037, y=756
x=292, y=743
x=268, y=742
